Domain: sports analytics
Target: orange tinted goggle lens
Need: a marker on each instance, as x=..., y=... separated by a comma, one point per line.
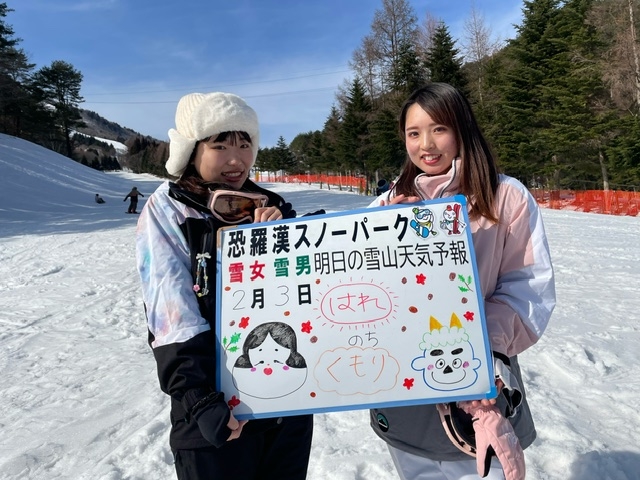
x=235, y=207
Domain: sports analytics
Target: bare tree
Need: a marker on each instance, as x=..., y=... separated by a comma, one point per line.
x=615, y=20
x=378, y=58
x=425, y=34
x=634, y=50
x=478, y=46
x=367, y=65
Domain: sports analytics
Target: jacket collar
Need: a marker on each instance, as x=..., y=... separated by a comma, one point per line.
x=188, y=198
x=438, y=186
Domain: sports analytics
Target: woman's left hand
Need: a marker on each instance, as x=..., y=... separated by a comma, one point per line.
x=486, y=402
x=266, y=214
x=400, y=199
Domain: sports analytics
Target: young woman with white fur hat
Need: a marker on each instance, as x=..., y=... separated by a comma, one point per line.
x=212, y=150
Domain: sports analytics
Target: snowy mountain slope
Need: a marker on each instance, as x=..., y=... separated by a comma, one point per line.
x=79, y=393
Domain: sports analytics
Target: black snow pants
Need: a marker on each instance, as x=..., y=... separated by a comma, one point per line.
x=133, y=205
x=280, y=452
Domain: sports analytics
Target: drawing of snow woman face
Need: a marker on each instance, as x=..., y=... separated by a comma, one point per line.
x=269, y=355
x=270, y=365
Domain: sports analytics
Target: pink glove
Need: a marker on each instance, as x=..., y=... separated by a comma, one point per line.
x=495, y=436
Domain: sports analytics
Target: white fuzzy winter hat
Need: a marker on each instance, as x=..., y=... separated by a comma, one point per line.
x=202, y=115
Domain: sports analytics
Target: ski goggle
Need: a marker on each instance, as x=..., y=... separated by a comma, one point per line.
x=233, y=206
x=458, y=425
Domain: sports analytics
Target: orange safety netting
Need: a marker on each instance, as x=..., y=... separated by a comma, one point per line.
x=611, y=202
x=340, y=181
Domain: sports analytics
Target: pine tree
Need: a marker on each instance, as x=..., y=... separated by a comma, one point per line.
x=306, y=149
x=622, y=152
x=330, y=143
x=283, y=158
x=526, y=69
x=576, y=115
x=17, y=108
x=443, y=61
x=264, y=160
x=353, y=135
x=409, y=73
x=387, y=148
x=7, y=39
x=59, y=86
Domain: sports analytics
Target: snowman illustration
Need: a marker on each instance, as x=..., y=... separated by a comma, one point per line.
x=423, y=221
x=451, y=222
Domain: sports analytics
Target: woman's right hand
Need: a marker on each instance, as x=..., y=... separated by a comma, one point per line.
x=400, y=199
x=266, y=214
x=215, y=420
x=235, y=426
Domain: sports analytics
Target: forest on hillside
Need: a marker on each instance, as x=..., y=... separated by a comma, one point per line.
x=559, y=103
x=43, y=106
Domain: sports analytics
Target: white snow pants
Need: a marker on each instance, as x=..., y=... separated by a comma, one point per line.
x=414, y=467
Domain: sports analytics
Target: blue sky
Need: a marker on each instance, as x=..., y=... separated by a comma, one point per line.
x=287, y=58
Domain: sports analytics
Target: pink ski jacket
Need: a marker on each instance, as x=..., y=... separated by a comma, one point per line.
x=513, y=259
x=517, y=282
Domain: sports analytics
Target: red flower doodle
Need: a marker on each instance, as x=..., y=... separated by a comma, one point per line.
x=469, y=316
x=233, y=402
x=306, y=327
x=421, y=279
x=408, y=383
x=244, y=322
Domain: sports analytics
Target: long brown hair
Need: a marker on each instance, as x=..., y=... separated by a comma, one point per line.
x=447, y=106
x=190, y=179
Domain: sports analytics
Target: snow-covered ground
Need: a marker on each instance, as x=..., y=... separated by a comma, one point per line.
x=79, y=395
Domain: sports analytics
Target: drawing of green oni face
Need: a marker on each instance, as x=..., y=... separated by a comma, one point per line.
x=270, y=366
x=447, y=362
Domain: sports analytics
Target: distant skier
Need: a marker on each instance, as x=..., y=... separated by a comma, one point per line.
x=99, y=199
x=133, y=202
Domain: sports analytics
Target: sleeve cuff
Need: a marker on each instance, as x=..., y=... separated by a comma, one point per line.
x=512, y=392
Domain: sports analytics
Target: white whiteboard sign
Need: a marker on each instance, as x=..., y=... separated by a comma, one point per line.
x=372, y=307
